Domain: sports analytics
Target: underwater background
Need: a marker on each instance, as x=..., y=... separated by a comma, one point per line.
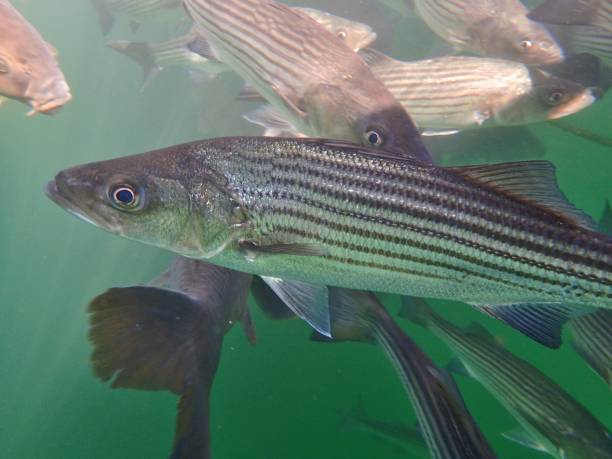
x=284, y=397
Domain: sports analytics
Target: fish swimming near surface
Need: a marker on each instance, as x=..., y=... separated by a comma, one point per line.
x=315, y=81
x=319, y=212
x=491, y=28
x=592, y=333
x=551, y=420
x=575, y=12
x=445, y=423
x=170, y=338
x=29, y=71
x=193, y=51
x=136, y=10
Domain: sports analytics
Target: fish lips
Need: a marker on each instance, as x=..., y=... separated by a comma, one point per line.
x=49, y=99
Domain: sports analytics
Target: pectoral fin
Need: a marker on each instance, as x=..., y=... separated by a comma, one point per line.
x=269, y=302
x=308, y=301
x=306, y=250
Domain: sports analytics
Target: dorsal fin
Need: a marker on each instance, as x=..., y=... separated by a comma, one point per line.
x=374, y=58
x=533, y=182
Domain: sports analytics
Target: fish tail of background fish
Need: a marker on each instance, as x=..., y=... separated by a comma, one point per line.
x=447, y=426
x=138, y=343
x=592, y=340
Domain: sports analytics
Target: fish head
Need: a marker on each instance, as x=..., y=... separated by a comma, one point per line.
x=550, y=97
x=520, y=39
x=154, y=198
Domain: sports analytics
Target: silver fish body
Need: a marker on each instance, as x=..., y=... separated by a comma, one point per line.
x=29, y=71
x=380, y=223
x=491, y=28
x=463, y=92
x=553, y=420
x=307, y=73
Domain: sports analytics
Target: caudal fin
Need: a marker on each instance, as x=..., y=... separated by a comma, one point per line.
x=150, y=338
x=140, y=53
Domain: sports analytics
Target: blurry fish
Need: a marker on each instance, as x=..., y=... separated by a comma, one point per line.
x=29, y=71
x=316, y=82
x=136, y=10
x=311, y=212
x=592, y=334
x=586, y=39
x=153, y=338
x=446, y=425
x=551, y=420
x=194, y=52
x=492, y=28
x=575, y=12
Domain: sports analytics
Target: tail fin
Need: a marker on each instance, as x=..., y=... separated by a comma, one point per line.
x=105, y=17
x=149, y=338
x=416, y=310
x=141, y=54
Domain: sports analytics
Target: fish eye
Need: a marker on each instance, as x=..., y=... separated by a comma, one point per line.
x=4, y=67
x=124, y=197
x=526, y=44
x=555, y=97
x=374, y=138
x=341, y=34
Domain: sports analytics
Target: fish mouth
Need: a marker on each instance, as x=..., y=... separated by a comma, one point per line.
x=48, y=98
x=49, y=106
x=578, y=103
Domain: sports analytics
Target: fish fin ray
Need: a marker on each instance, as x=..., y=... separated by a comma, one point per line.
x=438, y=132
x=563, y=12
x=296, y=249
x=269, y=302
x=308, y=301
x=271, y=120
x=523, y=438
x=375, y=58
x=140, y=53
x=456, y=366
x=105, y=17
x=530, y=181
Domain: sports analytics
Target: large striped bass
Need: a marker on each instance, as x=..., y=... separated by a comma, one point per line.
x=317, y=83
x=501, y=237
x=491, y=28
x=551, y=420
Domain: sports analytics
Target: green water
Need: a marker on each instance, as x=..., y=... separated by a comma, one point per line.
x=285, y=397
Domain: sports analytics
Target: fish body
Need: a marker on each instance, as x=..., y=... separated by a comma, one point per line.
x=460, y=92
x=554, y=422
x=501, y=237
x=308, y=74
x=446, y=425
x=491, y=28
x=137, y=11
x=29, y=71
x=170, y=338
x=575, y=12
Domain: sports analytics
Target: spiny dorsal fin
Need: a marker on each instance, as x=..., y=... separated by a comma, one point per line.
x=375, y=58
x=529, y=181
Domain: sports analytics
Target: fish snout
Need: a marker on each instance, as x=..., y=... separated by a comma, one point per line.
x=50, y=97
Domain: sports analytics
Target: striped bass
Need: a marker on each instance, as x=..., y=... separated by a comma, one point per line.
x=308, y=74
x=501, y=237
x=491, y=28
x=575, y=12
x=552, y=420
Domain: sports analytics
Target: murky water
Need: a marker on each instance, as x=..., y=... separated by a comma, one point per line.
x=285, y=397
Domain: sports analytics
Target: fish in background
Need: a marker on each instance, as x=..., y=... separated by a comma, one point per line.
x=446, y=425
x=575, y=12
x=193, y=51
x=137, y=11
x=169, y=337
x=592, y=334
x=588, y=39
x=29, y=71
x=551, y=420
x=307, y=73
x=491, y=28
x=308, y=213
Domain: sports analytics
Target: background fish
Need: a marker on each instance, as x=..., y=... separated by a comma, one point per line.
x=446, y=425
x=29, y=71
x=307, y=73
x=136, y=10
x=492, y=28
x=552, y=420
x=154, y=338
x=575, y=12
x=501, y=237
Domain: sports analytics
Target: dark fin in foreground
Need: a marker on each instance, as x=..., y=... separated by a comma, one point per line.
x=541, y=322
x=564, y=12
x=592, y=341
x=529, y=181
x=272, y=306
x=308, y=301
x=150, y=339
x=141, y=54
x=105, y=17
x=524, y=438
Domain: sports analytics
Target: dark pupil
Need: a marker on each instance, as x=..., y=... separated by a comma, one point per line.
x=124, y=196
x=374, y=138
x=555, y=97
